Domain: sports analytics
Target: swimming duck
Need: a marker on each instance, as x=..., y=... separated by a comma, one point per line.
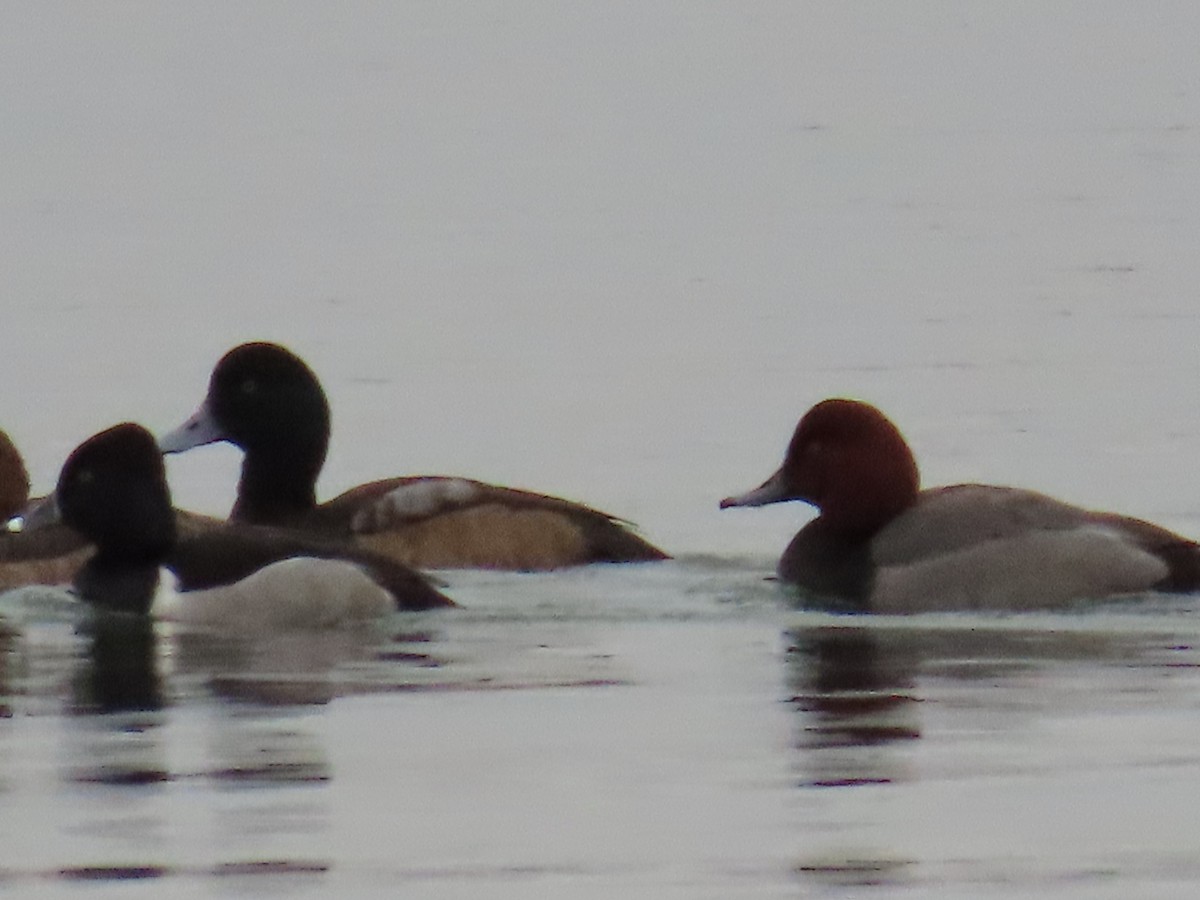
x=14, y=479
x=50, y=557
x=267, y=401
x=883, y=545
x=113, y=490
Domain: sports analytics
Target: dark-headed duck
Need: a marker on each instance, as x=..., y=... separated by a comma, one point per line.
x=884, y=545
x=113, y=490
x=48, y=555
x=52, y=556
x=267, y=401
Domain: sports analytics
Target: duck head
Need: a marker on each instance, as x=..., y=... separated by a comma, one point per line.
x=257, y=392
x=847, y=459
x=263, y=399
x=14, y=480
x=113, y=490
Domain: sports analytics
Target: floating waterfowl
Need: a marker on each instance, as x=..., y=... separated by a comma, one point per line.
x=267, y=401
x=884, y=545
x=113, y=491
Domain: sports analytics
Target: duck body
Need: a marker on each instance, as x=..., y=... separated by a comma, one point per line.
x=265, y=400
x=219, y=556
x=51, y=556
x=54, y=553
x=296, y=593
x=14, y=479
x=113, y=491
x=439, y=521
x=880, y=544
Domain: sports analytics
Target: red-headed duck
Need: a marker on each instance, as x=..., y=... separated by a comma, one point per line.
x=113, y=490
x=14, y=479
x=883, y=545
x=267, y=401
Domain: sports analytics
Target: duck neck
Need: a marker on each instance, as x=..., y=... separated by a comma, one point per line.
x=132, y=539
x=860, y=522
x=277, y=488
x=865, y=497
x=121, y=586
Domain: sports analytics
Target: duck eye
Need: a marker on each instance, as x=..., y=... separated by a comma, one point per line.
x=249, y=386
x=84, y=476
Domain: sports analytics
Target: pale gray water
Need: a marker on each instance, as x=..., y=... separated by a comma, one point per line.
x=662, y=731
x=613, y=251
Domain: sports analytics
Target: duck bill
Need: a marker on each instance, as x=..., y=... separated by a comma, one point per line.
x=773, y=490
x=197, y=431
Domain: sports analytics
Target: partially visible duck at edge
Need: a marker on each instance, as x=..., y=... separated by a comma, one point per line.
x=268, y=402
x=113, y=490
x=52, y=556
x=881, y=544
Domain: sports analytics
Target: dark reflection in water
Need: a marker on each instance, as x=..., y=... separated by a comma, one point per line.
x=118, y=681
x=120, y=672
x=8, y=642
x=860, y=690
x=857, y=872
x=882, y=709
x=265, y=747
x=239, y=870
x=855, y=693
x=112, y=873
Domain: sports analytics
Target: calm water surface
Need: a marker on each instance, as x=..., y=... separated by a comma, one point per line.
x=659, y=731
x=612, y=251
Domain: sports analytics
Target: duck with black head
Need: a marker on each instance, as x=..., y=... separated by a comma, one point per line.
x=265, y=400
x=882, y=544
x=50, y=554
x=53, y=555
x=113, y=490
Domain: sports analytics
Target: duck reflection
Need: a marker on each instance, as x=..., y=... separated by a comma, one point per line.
x=117, y=693
x=856, y=694
x=7, y=651
x=120, y=671
x=860, y=689
x=888, y=709
x=299, y=668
